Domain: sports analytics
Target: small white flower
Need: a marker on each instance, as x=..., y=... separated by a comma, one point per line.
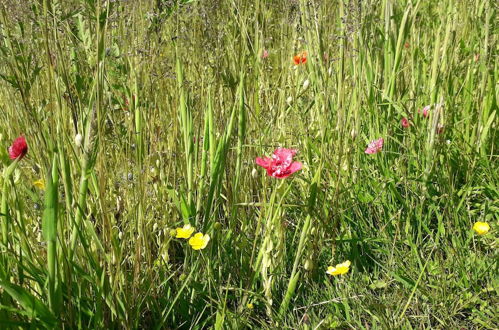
x=78, y=140
x=289, y=100
x=448, y=142
x=254, y=173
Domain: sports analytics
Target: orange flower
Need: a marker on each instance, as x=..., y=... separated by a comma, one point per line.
x=300, y=58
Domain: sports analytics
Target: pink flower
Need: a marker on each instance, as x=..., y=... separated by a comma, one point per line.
x=265, y=54
x=281, y=164
x=405, y=122
x=19, y=148
x=425, y=111
x=375, y=146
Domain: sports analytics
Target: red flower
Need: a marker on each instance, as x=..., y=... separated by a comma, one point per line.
x=265, y=54
x=281, y=164
x=405, y=122
x=300, y=58
x=18, y=149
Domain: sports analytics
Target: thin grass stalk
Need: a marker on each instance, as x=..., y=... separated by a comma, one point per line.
x=295, y=274
x=187, y=132
x=205, y=155
x=49, y=228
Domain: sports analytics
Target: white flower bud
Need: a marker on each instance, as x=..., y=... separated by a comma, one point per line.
x=289, y=100
x=78, y=140
x=305, y=84
x=353, y=133
x=254, y=173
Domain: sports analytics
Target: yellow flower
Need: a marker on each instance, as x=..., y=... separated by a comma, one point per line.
x=40, y=184
x=199, y=241
x=250, y=306
x=339, y=269
x=481, y=228
x=185, y=232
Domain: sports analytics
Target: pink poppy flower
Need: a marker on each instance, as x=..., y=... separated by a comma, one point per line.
x=265, y=54
x=405, y=122
x=375, y=146
x=19, y=148
x=281, y=164
x=425, y=111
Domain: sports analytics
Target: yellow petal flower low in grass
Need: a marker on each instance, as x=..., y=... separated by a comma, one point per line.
x=199, y=241
x=185, y=232
x=481, y=228
x=40, y=184
x=339, y=269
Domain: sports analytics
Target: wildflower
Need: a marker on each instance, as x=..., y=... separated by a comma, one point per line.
x=339, y=269
x=300, y=58
x=481, y=228
x=425, y=111
x=375, y=146
x=254, y=173
x=78, y=139
x=265, y=54
x=199, y=241
x=18, y=149
x=407, y=45
x=405, y=122
x=185, y=232
x=281, y=164
x=250, y=306
x=40, y=184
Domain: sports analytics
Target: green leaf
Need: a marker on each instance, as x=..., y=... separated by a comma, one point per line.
x=30, y=303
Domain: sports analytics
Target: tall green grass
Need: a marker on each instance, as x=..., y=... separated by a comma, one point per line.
x=144, y=116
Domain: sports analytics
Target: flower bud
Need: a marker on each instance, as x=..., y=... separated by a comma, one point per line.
x=309, y=265
x=78, y=140
x=305, y=84
x=353, y=133
x=289, y=100
x=254, y=173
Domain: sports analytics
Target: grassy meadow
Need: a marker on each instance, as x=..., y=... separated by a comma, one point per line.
x=142, y=118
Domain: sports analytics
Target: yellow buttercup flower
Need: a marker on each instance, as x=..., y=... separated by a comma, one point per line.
x=199, y=241
x=481, y=228
x=185, y=232
x=40, y=184
x=339, y=269
x=250, y=306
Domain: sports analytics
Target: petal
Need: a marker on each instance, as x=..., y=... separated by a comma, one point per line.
x=265, y=162
x=296, y=166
